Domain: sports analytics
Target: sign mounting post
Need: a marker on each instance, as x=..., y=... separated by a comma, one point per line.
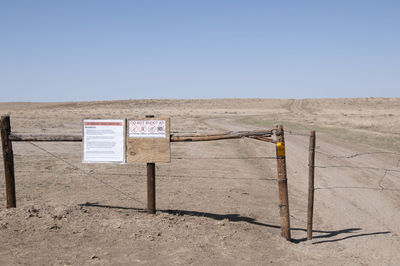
x=148, y=141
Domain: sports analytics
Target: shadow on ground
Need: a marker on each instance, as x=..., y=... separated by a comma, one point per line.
x=238, y=218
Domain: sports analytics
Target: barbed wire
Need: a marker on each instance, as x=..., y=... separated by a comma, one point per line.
x=359, y=167
x=294, y=133
x=332, y=156
x=164, y=176
x=356, y=154
x=192, y=158
x=208, y=177
x=226, y=158
x=379, y=187
x=89, y=173
x=353, y=187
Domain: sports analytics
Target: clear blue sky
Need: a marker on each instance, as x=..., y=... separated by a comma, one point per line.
x=105, y=50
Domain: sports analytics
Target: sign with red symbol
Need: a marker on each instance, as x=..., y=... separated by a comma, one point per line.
x=148, y=140
x=147, y=129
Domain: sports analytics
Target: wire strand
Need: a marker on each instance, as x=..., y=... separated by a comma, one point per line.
x=90, y=173
x=357, y=167
x=224, y=158
x=356, y=154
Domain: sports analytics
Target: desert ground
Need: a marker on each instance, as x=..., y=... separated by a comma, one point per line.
x=217, y=202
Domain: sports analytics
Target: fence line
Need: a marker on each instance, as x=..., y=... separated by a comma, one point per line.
x=91, y=172
x=263, y=135
x=379, y=185
x=350, y=156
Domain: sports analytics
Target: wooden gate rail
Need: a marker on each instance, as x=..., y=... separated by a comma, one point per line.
x=263, y=135
x=256, y=134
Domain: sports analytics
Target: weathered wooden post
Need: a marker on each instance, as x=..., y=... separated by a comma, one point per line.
x=282, y=183
x=151, y=188
x=8, y=159
x=151, y=184
x=311, y=161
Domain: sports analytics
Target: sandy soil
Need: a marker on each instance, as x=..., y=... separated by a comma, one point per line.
x=217, y=201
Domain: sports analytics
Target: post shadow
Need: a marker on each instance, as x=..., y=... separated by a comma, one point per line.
x=234, y=217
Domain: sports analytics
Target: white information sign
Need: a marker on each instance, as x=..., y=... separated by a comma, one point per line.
x=104, y=141
x=147, y=129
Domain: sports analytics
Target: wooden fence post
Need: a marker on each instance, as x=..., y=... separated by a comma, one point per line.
x=8, y=159
x=282, y=183
x=151, y=188
x=311, y=161
x=151, y=184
